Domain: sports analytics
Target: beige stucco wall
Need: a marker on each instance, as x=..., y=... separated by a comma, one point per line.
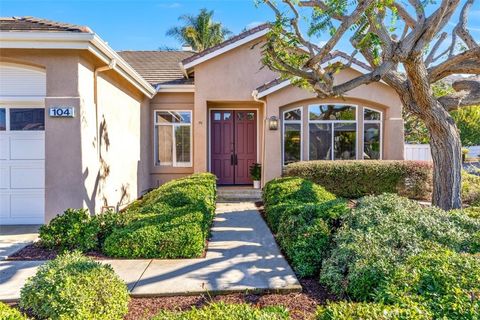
x=229, y=79
x=71, y=157
x=168, y=101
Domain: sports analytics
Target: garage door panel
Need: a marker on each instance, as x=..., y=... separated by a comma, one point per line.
x=27, y=178
x=4, y=177
x=27, y=205
x=4, y=206
x=27, y=149
x=4, y=147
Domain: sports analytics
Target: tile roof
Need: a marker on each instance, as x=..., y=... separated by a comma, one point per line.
x=226, y=42
x=331, y=56
x=158, y=67
x=38, y=24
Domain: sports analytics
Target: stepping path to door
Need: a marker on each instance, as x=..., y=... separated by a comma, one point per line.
x=242, y=255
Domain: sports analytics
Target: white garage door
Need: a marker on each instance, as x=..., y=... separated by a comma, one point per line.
x=22, y=165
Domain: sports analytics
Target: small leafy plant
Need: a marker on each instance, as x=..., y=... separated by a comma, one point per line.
x=256, y=171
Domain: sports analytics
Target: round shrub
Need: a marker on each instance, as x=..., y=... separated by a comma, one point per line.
x=446, y=282
x=70, y=230
x=370, y=311
x=382, y=233
x=9, y=313
x=75, y=287
x=470, y=189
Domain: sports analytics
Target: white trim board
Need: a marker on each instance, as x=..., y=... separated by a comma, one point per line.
x=76, y=41
x=175, y=88
x=227, y=48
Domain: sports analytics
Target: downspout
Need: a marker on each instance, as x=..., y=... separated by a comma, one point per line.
x=98, y=70
x=264, y=103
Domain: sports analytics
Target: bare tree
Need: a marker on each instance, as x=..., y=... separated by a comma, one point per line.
x=409, y=62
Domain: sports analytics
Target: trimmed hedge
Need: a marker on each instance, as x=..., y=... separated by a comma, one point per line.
x=75, y=287
x=358, y=178
x=172, y=221
x=9, y=313
x=226, y=312
x=470, y=189
x=302, y=214
x=370, y=311
x=381, y=234
x=446, y=282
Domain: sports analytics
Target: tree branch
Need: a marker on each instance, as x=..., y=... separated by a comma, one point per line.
x=461, y=28
x=431, y=55
x=403, y=13
x=468, y=94
x=453, y=64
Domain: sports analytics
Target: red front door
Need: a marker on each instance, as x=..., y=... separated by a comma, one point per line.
x=233, y=145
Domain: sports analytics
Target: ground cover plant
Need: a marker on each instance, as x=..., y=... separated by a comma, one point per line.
x=75, y=287
x=382, y=233
x=226, y=312
x=9, y=313
x=302, y=215
x=172, y=221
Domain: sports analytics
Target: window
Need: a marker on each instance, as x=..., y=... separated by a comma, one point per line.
x=173, y=137
x=3, y=119
x=292, y=136
x=372, y=134
x=332, y=132
x=23, y=119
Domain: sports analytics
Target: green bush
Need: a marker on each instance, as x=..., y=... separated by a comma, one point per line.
x=305, y=232
x=382, y=233
x=302, y=214
x=75, y=287
x=473, y=212
x=71, y=230
x=370, y=311
x=358, y=178
x=9, y=313
x=446, y=282
x=282, y=190
x=470, y=189
x=226, y=312
x=172, y=221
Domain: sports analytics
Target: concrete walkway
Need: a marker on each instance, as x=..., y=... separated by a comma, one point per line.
x=242, y=255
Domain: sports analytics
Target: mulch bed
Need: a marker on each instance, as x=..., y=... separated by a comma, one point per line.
x=302, y=305
x=35, y=251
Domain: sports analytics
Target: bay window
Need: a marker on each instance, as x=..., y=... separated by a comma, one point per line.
x=292, y=136
x=372, y=134
x=173, y=138
x=332, y=132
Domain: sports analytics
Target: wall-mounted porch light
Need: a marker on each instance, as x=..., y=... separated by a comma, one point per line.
x=273, y=123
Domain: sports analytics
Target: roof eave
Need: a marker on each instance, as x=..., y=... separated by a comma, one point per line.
x=78, y=41
x=226, y=48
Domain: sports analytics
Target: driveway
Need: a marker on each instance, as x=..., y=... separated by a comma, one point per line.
x=14, y=238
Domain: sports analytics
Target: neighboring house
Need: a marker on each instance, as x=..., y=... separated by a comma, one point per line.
x=144, y=117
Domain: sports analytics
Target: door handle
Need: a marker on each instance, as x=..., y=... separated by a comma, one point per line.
x=236, y=159
x=232, y=161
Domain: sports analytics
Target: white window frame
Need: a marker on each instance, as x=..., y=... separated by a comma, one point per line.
x=374, y=122
x=283, y=131
x=332, y=122
x=174, y=162
x=23, y=106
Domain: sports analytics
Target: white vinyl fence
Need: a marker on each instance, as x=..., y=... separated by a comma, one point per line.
x=418, y=152
x=422, y=152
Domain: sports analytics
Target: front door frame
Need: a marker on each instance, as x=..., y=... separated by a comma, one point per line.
x=232, y=108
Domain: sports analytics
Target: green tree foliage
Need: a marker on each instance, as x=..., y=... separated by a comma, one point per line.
x=199, y=31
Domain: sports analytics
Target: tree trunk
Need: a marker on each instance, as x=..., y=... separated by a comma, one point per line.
x=447, y=159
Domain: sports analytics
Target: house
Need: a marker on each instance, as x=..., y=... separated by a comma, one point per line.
x=84, y=126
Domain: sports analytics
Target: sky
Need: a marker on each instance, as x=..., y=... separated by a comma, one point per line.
x=142, y=24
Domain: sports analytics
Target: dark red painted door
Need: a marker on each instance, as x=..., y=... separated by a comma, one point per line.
x=233, y=145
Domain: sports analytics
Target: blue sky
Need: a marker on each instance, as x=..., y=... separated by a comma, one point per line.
x=141, y=24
